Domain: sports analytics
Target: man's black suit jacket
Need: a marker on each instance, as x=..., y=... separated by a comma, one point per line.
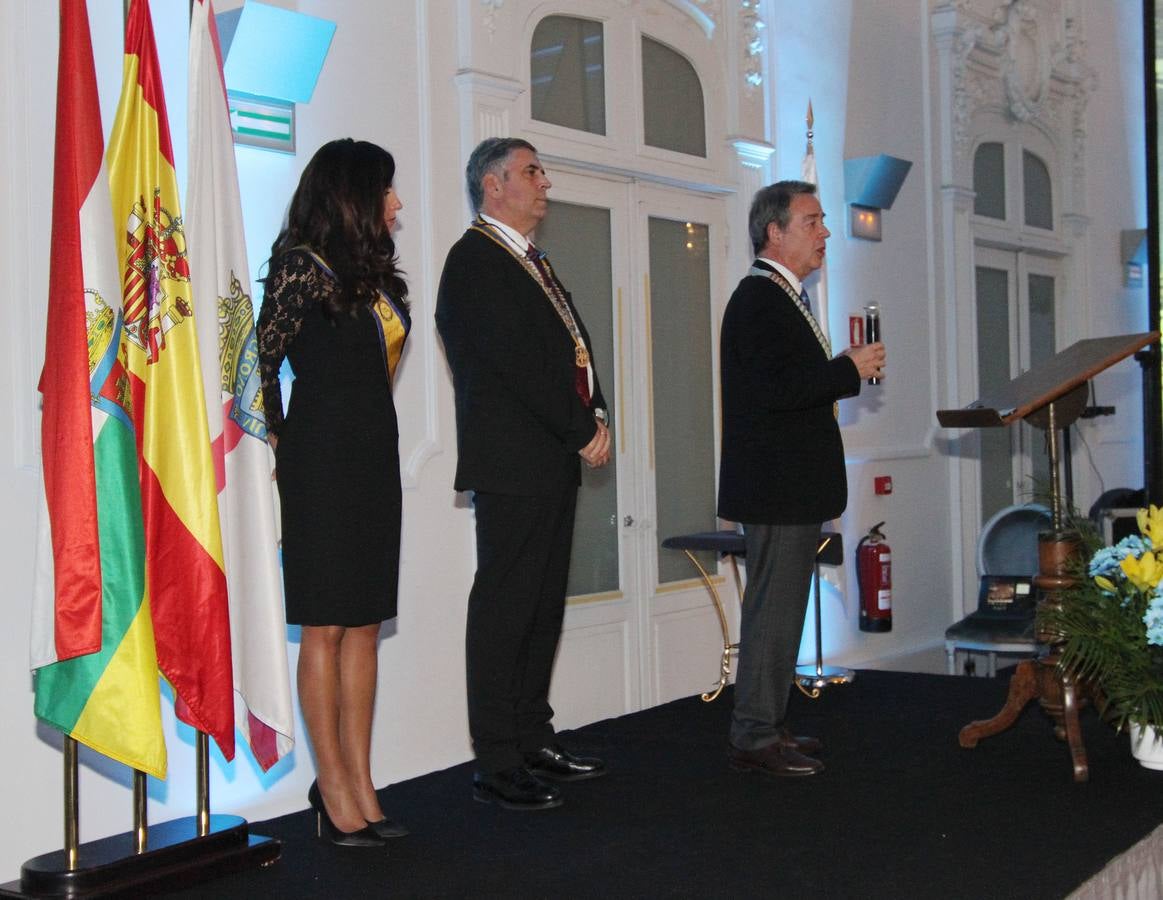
x=782, y=458
x=519, y=420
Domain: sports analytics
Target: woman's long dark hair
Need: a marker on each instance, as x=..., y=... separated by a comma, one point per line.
x=338, y=211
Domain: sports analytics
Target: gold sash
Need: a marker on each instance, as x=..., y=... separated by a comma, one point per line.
x=783, y=283
x=392, y=326
x=549, y=286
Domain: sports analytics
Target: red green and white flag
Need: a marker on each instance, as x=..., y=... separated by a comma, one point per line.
x=186, y=581
x=92, y=637
x=243, y=463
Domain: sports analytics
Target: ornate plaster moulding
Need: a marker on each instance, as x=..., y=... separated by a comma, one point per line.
x=1015, y=61
x=492, y=8
x=751, y=27
x=704, y=12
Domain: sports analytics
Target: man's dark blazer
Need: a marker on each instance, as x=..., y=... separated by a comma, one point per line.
x=519, y=420
x=782, y=459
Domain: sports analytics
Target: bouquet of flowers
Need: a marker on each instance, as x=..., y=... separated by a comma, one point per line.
x=1110, y=624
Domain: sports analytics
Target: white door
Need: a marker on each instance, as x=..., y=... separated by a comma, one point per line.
x=1016, y=326
x=638, y=263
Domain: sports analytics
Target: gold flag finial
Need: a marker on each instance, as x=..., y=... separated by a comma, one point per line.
x=811, y=120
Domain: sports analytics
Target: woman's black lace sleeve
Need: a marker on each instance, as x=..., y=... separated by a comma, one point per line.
x=291, y=288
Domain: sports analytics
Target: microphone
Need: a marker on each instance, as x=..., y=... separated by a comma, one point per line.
x=872, y=329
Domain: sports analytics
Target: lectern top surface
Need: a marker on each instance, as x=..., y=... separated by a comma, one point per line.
x=1046, y=382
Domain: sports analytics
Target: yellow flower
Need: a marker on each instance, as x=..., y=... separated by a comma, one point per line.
x=1105, y=584
x=1151, y=524
x=1145, y=572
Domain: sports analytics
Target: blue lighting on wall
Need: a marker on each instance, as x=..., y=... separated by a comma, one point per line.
x=272, y=52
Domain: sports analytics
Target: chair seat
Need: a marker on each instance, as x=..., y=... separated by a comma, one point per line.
x=990, y=636
x=992, y=631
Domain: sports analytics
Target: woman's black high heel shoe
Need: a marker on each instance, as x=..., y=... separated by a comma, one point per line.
x=386, y=828
x=326, y=829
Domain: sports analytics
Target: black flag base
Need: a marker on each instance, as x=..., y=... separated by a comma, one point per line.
x=175, y=854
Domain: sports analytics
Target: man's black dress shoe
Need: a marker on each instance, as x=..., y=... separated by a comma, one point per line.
x=515, y=789
x=774, y=759
x=558, y=764
x=801, y=743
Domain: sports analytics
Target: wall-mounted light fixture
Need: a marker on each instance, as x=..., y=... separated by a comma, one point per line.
x=1133, y=244
x=272, y=59
x=871, y=184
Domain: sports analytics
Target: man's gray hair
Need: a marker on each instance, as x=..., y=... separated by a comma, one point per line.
x=773, y=204
x=489, y=156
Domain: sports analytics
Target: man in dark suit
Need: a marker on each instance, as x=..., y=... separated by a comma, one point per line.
x=782, y=465
x=529, y=410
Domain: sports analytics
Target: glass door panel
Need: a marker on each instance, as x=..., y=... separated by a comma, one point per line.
x=994, y=367
x=1039, y=305
x=578, y=241
x=1016, y=330
x=682, y=386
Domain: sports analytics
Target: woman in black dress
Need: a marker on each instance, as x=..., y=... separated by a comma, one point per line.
x=334, y=306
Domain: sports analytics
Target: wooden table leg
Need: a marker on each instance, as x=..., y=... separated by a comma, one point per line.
x=1023, y=689
x=1041, y=679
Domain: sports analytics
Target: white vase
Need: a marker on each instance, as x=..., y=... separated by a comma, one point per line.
x=1147, y=745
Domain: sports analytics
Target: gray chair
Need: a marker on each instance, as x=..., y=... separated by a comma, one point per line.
x=1008, y=545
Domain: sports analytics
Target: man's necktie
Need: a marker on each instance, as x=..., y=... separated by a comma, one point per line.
x=805, y=299
x=581, y=375
x=534, y=256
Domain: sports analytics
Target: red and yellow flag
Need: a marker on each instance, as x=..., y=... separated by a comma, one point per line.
x=185, y=579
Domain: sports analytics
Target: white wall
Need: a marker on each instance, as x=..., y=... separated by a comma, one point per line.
x=866, y=65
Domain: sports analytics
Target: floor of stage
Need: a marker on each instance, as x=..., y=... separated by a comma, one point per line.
x=902, y=811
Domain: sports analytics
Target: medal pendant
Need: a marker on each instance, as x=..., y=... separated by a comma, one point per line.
x=581, y=356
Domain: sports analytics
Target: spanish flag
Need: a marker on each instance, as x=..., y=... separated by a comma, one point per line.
x=99, y=686
x=185, y=579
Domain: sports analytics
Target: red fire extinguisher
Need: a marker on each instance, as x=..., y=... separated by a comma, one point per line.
x=874, y=579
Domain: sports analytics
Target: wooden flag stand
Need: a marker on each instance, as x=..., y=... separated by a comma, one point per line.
x=1049, y=396
x=181, y=851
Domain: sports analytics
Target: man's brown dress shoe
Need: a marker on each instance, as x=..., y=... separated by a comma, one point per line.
x=774, y=759
x=801, y=743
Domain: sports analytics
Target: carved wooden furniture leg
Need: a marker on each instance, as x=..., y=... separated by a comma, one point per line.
x=1023, y=689
x=1041, y=679
x=1063, y=698
x=1071, y=701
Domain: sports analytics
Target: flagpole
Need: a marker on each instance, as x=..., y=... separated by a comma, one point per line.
x=811, y=120
x=811, y=679
x=72, y=803
x=202, y=801
x=140, y=817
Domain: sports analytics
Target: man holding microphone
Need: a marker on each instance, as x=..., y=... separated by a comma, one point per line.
x=782, y=466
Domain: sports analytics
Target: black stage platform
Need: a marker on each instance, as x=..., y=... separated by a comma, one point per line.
x=902, y=812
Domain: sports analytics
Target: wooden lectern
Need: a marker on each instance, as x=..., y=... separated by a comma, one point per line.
x=1051, y=396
